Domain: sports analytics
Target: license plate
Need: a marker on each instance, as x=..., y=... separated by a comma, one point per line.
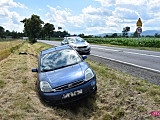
x=72, y=94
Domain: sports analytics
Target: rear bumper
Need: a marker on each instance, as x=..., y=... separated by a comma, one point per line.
x=56, y=98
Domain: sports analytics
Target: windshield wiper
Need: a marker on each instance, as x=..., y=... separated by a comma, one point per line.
x=66, y=66
x=46, y=70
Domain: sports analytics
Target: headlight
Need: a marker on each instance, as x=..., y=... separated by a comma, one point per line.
x=88, y=74
x=74, y=46
x=45, y=86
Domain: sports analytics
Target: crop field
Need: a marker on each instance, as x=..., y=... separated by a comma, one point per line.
x=134, y=42
x=119, y=96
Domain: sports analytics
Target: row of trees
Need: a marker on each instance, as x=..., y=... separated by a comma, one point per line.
x=133, y=35
x=6, y=33
x=34, y=28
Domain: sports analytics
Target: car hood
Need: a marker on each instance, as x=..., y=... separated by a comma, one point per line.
x=65, y=75
x=79, y=44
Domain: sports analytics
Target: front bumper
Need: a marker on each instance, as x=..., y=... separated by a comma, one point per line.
x=56, y=98
x=83, y=50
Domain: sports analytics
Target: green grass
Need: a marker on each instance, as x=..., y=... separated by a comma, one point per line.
x=2, y=84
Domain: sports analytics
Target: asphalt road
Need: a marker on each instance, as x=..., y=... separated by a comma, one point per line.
x=144, y=61
x=140, y=58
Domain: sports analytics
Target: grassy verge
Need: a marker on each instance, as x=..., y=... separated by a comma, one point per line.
x=122, y=96
x=6, y=48
x=119, y=96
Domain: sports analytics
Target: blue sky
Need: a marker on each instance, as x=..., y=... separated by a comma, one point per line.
x=83, y=16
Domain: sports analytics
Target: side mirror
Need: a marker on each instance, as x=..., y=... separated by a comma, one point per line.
x=34, y=70
x=84, y=57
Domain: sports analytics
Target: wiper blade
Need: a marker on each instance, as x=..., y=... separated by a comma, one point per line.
x=66, y=66
x=46, y=70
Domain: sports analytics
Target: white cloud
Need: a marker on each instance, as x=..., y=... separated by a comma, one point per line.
x=90, y=18
x=11, y=19
x=132, y=2
x=4, y=12
x=97, y=11
x=124, y=13
x=154, y=5
x=9, y=25
x=11, y=3
x=107, y=2
x=58, y=16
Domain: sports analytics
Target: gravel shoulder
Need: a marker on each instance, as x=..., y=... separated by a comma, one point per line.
x=151, y=76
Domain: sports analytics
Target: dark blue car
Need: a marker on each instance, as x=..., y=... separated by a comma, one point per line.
x=63, y=75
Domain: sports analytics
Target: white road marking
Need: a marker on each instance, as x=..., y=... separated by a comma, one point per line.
x=128, y=63
x=142, y=54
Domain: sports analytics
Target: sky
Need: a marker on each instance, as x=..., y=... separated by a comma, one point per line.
x=89, y=17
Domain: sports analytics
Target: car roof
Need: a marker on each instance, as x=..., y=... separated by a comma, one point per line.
x=72, y=37
x=55, y=49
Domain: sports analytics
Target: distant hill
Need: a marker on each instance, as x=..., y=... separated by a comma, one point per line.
x=144, y=33
x=150, y=32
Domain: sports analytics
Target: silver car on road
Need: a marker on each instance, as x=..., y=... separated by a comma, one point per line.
x=78, y=43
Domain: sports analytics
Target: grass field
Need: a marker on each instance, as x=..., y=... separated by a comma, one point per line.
x=152, y=44
x=119, y=96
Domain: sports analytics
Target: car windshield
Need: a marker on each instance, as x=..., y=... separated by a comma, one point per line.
x=75, y=39
x=78, y=39
x=59, y=59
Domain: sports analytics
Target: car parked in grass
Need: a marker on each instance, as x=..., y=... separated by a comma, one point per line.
x=78, y=43
x=63, y=75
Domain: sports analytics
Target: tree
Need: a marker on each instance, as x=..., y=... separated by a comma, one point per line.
x=157, y=35
x=32, y=27
x=1, y=32
x=81, y=35
x=48, y=29
x=114, y=35
x=125, y=31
